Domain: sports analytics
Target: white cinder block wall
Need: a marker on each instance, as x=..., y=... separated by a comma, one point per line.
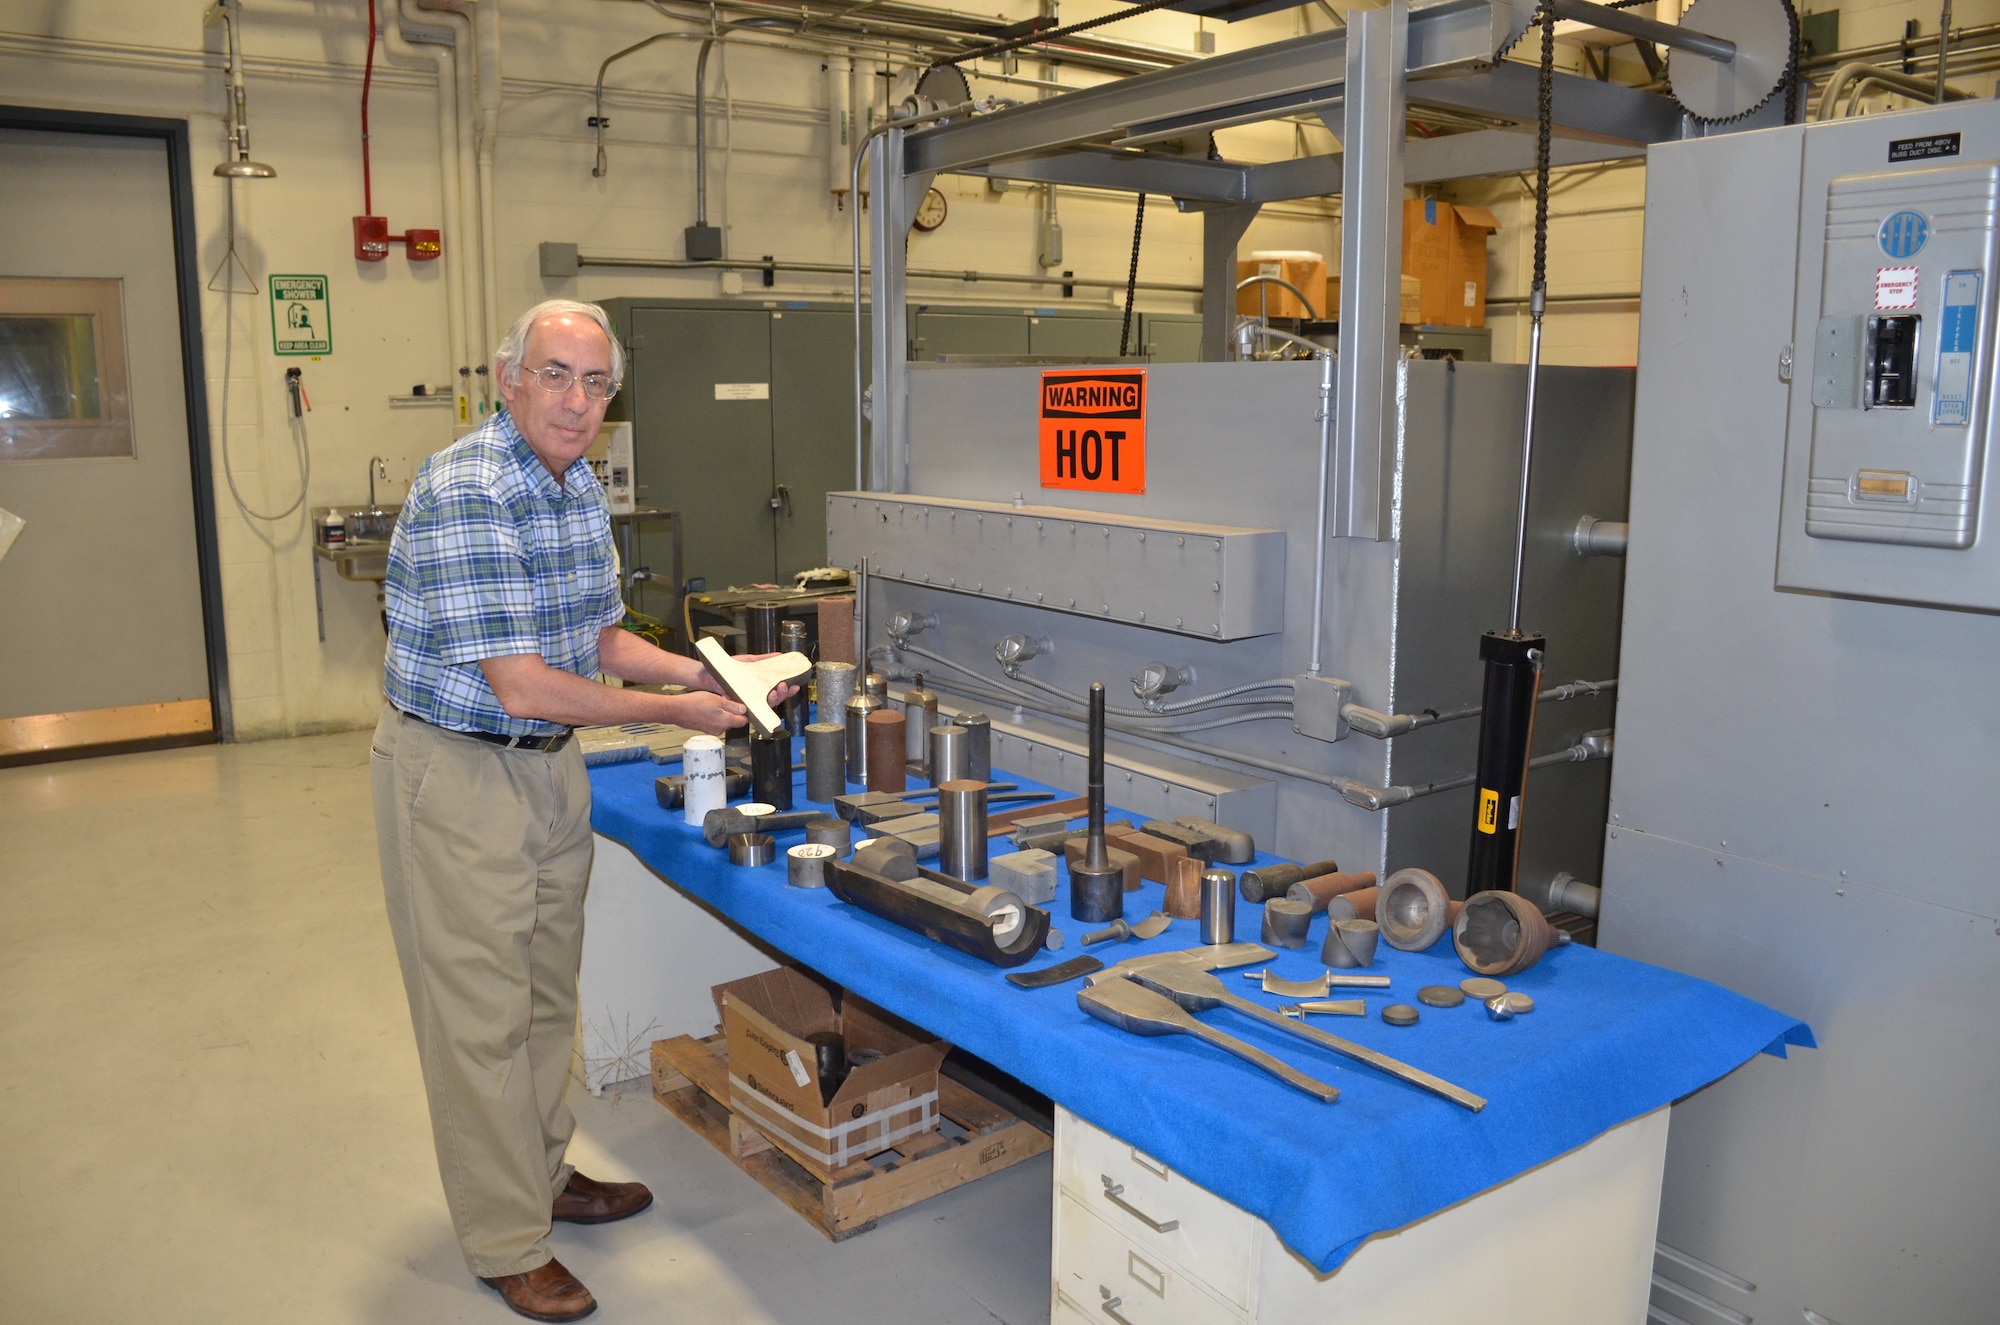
x=768, y=186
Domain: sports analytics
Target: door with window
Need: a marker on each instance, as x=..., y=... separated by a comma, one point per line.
x=101, y=604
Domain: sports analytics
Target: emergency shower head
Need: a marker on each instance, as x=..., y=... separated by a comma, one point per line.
x=240, y=166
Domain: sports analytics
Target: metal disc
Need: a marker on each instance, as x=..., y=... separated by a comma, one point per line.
x=1400, y=1014
x=1519, y=1003
x=1481, y=988
x=1439, y=996
x=1710, y=90
x=1519, y=16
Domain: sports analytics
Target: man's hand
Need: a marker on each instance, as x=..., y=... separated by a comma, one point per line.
x=779, y=693
x=709, y=712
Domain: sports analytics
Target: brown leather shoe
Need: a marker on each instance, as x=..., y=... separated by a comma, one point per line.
x=588, y=1201
x=547, y=1292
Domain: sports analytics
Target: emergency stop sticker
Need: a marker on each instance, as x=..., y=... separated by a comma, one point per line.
x=1895, y=287
x=1093, y=430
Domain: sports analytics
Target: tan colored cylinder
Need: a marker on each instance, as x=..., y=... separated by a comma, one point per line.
x=1184, y=889
x=1323, y=888
x=885, y=751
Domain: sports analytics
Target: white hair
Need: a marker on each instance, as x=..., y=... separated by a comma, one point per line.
x=514, y=346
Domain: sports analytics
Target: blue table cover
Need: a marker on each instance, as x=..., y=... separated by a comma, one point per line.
x=1610, y=1039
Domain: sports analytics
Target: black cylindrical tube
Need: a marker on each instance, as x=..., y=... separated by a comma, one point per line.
x=858, y=709
x=830, y=1053
x=962, y=829
x=792, y=639
x=1096, y=886
x=771, y=771
x=760, y=627
x=978, y=746
x=949, y=758
x=1506, y=735
x=826, y=761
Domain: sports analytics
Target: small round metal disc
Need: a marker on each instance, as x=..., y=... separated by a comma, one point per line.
x=1519, y=1003
x=1439, y=996
x=1400, y=1014
x=1481, y=988
x=754, y=809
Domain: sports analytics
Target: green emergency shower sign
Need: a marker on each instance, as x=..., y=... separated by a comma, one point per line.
x=300, y=320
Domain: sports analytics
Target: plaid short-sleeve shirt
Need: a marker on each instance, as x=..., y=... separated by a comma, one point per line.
x=492, y=556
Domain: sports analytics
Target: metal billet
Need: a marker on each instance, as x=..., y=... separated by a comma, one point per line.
x=1400, y=1014
x=1501, y=934
x=1060, y=973
x=720, y=825
x=830, y=831
x=671, y=792
x=826, y=761
x=1321, y=889
x=1197, y=990
x=1218, y=907
x=886, y=767
x=978, y=746
x=1439, y=996
x=792, y=639
x=1481, y=988
x=834, y=684
x=1261, y=885
x=1232, y=846
x=962, y=828
x=1327, y=1007
x=1287, y=923
x=1030, y=874
x=752, y=848
x=988, y=923
x=1198, y=845
x=1184, y=889
x=1096, y=885
x=920, y=708
x=857, y=711
x=1142, y=1011
x=1350, y=943
x=805, y=865
x=1413, y=910
x=948, y=759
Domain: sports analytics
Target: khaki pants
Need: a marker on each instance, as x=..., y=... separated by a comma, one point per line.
x=485, y=857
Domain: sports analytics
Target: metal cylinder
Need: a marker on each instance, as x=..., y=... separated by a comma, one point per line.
x=671, y=791
x=858, y=709
x=949, y=758
x=1350, y=943
x=885, y=753
x=752, y=848
x=962, y=829
x=792, y=639
x=1096, y=885
x=1218, y=906
x=876, y=686
x=771, y=770
x=1183, y=888
x=1261, y=885
x=761, y=622
x=826, y=761
x=805, y=864
x=1506, y=734
x=705, y=789
x=833, y=686
x=978, y=745
x=1286, y=922
x=830, y=830
x=920, y=708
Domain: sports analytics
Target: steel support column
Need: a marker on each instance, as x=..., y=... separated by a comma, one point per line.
x=893, y=206
x=1371, y=264
x=1221, y=230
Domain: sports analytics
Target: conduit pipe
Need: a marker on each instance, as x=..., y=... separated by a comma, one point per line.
x=398, y=40
x=486, y=33
x=1371, y=722
x=458, y=30
x=1860, y=70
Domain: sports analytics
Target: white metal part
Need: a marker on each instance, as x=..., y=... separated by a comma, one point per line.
x=1211, y=581
x=1724, y=90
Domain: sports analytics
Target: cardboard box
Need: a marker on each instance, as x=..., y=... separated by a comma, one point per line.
x=1409, y=309
x=1444, y=246
x=774, y=1081
x=1303, y=269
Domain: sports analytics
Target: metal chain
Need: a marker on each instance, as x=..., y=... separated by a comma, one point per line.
x=1132, y=277
x=1545, y=91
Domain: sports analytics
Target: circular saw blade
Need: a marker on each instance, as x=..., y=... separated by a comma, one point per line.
x=1520, y=16
x=1766, y=44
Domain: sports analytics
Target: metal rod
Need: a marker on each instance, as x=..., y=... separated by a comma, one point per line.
x=1944, y=49
x=1527, y=460
x=1629, y=24
x=1319, y=541
x=1094, y=853
x=964, y=277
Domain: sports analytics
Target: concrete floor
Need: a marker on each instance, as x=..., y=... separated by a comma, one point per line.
x=212, y=1108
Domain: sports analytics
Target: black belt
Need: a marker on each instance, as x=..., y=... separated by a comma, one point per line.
x=540, y=744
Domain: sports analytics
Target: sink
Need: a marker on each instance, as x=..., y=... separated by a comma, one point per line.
x=371, y=526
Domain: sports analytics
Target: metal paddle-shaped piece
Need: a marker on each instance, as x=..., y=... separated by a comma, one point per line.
x=1197, y=991
x=1140, y=1011
x=1152, y=925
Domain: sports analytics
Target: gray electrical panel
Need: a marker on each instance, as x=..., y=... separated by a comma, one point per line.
x=1891, y=415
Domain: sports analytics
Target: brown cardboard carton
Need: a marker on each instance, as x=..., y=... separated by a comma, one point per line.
x=1409, y=309
x=1444, y=247
x=1305, y=270
x=773, y=1078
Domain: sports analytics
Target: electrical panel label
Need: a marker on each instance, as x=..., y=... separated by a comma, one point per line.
x=1093, y=429
x=300, y=321
x=1958, y=338
x=1489, y=810
x=1924, y=149
x=742, y=390
x=1895, y=288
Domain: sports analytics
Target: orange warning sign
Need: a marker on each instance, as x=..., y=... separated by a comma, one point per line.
x=1093, y=429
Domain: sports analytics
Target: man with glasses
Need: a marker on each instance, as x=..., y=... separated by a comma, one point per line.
x=503, y=606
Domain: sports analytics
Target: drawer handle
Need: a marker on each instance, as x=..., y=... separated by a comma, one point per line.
x=1114, y=1192
x=1110, y=1306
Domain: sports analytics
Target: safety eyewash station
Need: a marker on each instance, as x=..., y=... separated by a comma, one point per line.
x=1318, y=651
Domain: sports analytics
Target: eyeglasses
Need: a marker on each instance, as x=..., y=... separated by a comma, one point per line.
x=556, y=380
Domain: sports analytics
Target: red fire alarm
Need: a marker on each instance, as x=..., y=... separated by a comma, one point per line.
x=371, y=238
x=423, y=245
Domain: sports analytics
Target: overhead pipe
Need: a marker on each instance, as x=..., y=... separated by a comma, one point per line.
x=486, y=34
x=436, y=51
x=1855, y=71
x=438, y=14
x=1371, y=722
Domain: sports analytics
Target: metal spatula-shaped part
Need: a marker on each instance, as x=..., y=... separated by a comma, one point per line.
x=1327, y=1007
x=1150, y=927
x=1206, y=957
x=1140, y=1011
x=1315, y=988
x=1197, y=990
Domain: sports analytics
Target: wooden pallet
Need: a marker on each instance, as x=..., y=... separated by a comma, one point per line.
x=977, y=1137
